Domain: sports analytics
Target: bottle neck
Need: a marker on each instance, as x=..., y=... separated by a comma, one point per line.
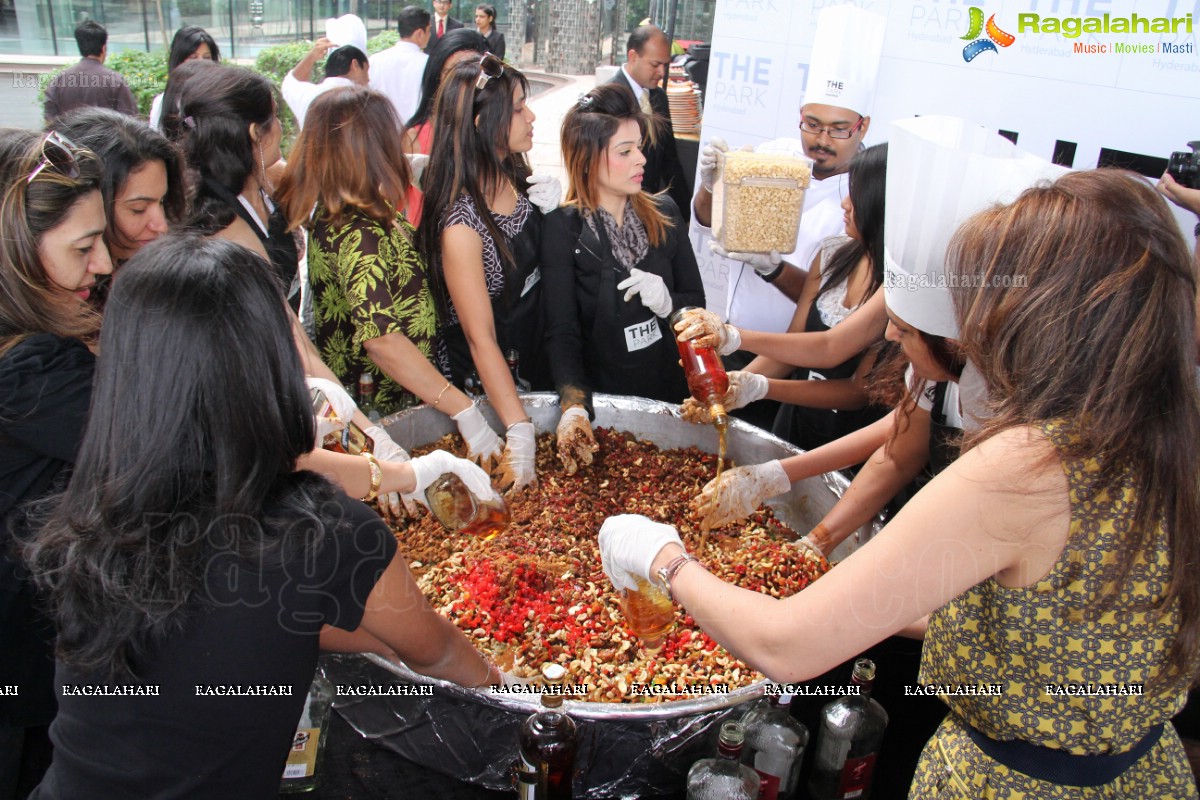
x=730, y=751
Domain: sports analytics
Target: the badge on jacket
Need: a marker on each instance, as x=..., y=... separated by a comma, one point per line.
x=642, y=335
x=532, y=281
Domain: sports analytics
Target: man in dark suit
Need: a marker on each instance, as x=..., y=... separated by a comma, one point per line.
x=648, y=57
x=442, y=22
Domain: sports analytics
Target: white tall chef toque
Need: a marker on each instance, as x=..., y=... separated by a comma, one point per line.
x=347, y=29
x=940, y=171
x=845, y=59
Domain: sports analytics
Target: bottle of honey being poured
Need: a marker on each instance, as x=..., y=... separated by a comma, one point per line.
x=706, y=377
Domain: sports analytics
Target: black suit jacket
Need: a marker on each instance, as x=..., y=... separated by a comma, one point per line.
x=663, y=170
x=451, y=24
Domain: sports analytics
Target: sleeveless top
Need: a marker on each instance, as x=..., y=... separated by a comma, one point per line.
x=1038, y=643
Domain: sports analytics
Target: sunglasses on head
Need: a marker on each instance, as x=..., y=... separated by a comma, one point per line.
x=58, y=152
x=489, y=67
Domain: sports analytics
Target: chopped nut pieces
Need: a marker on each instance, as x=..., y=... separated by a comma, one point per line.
x=757, y=201
x=537, y=593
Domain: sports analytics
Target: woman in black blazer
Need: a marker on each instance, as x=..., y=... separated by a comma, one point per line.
x=485, y=23
x=616, y=262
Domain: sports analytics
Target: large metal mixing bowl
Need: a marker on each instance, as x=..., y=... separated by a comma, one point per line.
x=626, y=750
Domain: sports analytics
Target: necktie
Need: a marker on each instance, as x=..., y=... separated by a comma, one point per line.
x=645, y=102
x=441, y=28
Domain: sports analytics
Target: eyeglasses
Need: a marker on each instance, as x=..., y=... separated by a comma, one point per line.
x=489, y=67
x=59, y=152
x=833, y=133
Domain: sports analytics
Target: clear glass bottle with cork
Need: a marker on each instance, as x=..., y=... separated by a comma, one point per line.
x=548, y=743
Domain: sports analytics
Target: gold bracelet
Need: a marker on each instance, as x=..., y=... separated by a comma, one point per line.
x=442, y=392
x=376, y=476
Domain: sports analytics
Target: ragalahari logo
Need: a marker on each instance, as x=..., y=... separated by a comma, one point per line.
x=995, y=36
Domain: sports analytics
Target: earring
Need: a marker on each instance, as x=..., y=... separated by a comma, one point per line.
x=262, y=162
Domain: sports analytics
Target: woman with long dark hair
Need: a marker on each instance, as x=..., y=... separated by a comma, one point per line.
x=190, y=566
x=610, y=234
x=230, y=137
x=448, y=52
x=190, y=43
x=142, y=180
x=481, y=234
x=373, y=309
x=51, y=255
x=1057, y=556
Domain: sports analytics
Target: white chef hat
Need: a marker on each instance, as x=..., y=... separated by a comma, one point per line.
x=845, y=58
x=940, y=171
x=347, y=29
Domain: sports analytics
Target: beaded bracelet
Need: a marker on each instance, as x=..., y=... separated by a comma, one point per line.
x=376, y=476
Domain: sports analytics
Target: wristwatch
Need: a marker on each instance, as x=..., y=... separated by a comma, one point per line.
x=666, y=574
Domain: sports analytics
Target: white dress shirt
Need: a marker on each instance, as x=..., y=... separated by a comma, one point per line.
x=300, y=94
x=397, y=72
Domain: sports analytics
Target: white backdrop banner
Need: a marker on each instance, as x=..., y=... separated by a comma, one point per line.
x=1080, y=82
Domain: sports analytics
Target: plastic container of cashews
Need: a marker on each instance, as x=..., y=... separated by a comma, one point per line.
x=758, y=199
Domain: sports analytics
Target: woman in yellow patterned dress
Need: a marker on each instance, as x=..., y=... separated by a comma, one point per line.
x=347, y=180
x=1058, y=556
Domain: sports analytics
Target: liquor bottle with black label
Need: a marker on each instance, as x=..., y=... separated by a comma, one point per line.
x=549, y=741
x=851, y=730
x=775, y=743
x=724, y=777
x=514, y=366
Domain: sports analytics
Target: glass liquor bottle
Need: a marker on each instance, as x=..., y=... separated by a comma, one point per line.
x=513, y=358
x=724, y=777
x=706, y=377
x=549, y=740
x=304, y=759
x=851, y=731
x=366, y=396
x=649, y=613
x=775, y=743
x=462, y=511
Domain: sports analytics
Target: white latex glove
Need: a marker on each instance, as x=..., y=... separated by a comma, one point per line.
x=518, y=466
x=744, y=389
x=340, y=410
x=386, y=449
x=483, y=445
x=652, y=290
x=629, y=544
x=545, y=191
x=576, y=444
x=708, y=161
x=742, y=490
x=762, y=263
x=707, y=329
x=427, y=468
x=417, y=162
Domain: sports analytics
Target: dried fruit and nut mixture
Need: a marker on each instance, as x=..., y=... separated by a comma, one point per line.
x=757, y=201
x=538, y=593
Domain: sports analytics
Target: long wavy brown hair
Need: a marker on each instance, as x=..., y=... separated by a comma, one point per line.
x=1088, y=316
x=347, y=158
x=586, y=131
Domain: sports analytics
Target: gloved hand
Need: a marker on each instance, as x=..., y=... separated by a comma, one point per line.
x=708, y=161
x=545, y=191
x=483, y=445
x=651, y=288
x=337, y=413
x=426, y=469
x=417, y=162
x=576, y=444
x=517, y=469
x=742, y=490
x=386, y=449
x=762, y=263
x=629, y=544
x=707, y=329
x=744, y=389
